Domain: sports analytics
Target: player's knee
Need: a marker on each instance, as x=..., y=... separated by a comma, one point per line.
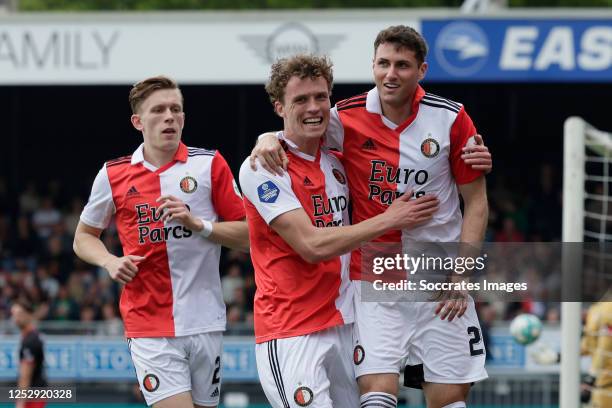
x=446, y=395
x=378, y=399
x=182, y=400
x=386, y=383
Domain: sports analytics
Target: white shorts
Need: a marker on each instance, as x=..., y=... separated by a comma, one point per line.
x=389, y=335
x=166, y=366
x=314, y=370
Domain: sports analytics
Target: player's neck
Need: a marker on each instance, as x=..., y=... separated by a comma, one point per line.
x=305, y=145
x=156, y=157
x=27, y=329
x=396, y=114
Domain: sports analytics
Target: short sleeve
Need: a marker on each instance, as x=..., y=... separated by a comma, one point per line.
x=100, y=206
x=271, y=194
x=27, y=354
x=462, y=133
x=334, y=135
x=31, y=350
x=226, y=197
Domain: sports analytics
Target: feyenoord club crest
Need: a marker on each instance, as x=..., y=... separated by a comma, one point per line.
x=430, y=147
x=358, y=355
x=188, y=184
x=150, y=382
x=339, y=176
x=303, y=396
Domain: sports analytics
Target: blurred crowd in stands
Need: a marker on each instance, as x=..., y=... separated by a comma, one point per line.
x=36, y=257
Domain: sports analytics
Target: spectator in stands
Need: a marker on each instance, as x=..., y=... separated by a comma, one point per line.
x=234, y=314
x=112, y=325
x=25, y=243
x=45, y=218
x=71, y=220
x=509, y=232
x=29, y=200
x=88, y=313
x=48, y=283
x=63, y=308
x=231, y=282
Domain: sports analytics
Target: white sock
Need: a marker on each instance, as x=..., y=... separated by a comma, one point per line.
x=378, y=399
x=458, y=404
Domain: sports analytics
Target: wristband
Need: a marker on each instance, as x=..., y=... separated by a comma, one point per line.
x=207, y=229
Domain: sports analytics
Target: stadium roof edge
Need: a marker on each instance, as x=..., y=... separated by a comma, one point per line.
x=305, y=15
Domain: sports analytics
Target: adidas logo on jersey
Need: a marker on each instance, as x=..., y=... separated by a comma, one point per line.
x=307, y=181
x=132, y=191
x=215, y=393
x=368, y=145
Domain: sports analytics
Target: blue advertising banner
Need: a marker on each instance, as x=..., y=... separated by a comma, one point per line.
x=82, y=359
x=519, y=50
x=506, y=353
x=108, y=359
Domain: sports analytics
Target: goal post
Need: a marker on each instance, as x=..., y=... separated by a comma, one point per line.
x=585, y=148
x=573, y=227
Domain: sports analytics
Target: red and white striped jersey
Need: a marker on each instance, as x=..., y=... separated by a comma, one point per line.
x=177, y=290
x=384, y=160
x=294, y=297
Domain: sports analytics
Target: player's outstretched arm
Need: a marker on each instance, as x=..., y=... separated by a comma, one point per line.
x=270, y=153
x=478, y=155
x=273, y=158
x=89, y=247
x=319, y=244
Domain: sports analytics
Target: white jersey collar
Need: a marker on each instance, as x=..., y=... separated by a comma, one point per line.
x=294, y=148
x=138, y=155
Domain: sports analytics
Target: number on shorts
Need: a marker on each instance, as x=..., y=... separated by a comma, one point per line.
x=216, y=378
x=473, y=331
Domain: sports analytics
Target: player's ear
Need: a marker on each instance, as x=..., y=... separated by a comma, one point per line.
x=422, y=70
x=278, y=108
x=136, y=122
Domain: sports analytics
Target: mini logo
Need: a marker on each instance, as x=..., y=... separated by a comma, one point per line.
x=215, y=393
x=462, y=48
x=291, y=39
x=188, y=184
x=430, y=148
x=27, y=355
x=303, y=396
x=358, y=355
x=268, y=192
x=307, y=181
x=339, y=176
x=369, y=145
x=150, y=382
x=132, y=192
